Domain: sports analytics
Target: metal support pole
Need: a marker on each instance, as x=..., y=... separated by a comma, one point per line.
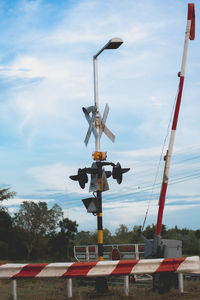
x=126, y=285
x=188, y=35
x=97, y=148
x=87, y=254
x=100, y=227
x=96, y=103
x=14, y=289
x=180, y=282
x=136, y=251
x=96, y=252
x=101, y=284
x=69, y=287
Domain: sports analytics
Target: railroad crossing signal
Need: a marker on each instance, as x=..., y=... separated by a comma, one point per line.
x=98, y=183
x=118, y=171
x=90, y=119
x=91, y=204
x=90, y=115
x=97, y=171
x=81, y=177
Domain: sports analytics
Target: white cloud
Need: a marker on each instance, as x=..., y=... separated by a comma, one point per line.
x=13, y=204
x=141, y=153
x=117, y=213
x=56, y=177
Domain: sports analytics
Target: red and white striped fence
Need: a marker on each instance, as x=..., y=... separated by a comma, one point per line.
x=95, y=269
x=101, y=268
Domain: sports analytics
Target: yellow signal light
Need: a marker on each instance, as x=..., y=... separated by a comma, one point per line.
x=99, y=155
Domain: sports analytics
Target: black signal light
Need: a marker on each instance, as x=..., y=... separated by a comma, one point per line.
x=118, y=172
x=81, y=177
x=92, y=205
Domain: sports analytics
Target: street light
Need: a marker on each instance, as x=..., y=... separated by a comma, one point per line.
x=98, y=183
x=114, y=43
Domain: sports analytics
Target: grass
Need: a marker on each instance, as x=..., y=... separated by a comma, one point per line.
x=55, y=289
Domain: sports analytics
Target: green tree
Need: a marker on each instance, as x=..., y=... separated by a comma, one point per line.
x=5, y=222
x=17, y=249
x=36, y=221
x=122, y=235
x=62, y=242
x=107, y=237
x=68, y=230
x=5, y=225
x=6, y=194
x=197, y=233
x=150, y=231
x=137, y=234
x=84, y=238
x=5, y=232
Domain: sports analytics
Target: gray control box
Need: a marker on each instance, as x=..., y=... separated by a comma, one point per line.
x=165, y=249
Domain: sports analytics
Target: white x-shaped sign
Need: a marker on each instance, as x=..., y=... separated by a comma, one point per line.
x=91, y=122
x=104, y=128
x=87, y=111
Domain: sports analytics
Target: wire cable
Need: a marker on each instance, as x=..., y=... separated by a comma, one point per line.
x=158, y=167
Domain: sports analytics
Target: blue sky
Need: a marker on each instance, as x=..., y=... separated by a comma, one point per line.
x=46, y=76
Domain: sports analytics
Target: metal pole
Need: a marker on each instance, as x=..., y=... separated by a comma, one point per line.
x=96, y=103
x=136, y=251
x=14, y=289
x=96, y=100
x=69, y=287
x=180, y=282
x=87, y=253
x=100, y=227
x=97, y=148
x=96, y=252
x=101, y=282
x=189, y=34
x=126, y=285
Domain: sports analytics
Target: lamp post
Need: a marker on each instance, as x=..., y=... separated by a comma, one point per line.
x=99, y=175
x=114, y=43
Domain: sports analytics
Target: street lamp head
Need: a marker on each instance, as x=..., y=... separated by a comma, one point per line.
x=114, y=43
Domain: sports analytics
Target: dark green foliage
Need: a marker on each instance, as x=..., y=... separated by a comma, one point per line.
x=150, y=230
x=36, y=221
x=85, y=238
x=5, y=226
x=61, y=243
x=137, y=237
x=17, y=249
x=107, y=237
x=90, y=238
x=197, y=233
x=3, y=250
x=123, y=235
x=6, y=194
x=37, y=232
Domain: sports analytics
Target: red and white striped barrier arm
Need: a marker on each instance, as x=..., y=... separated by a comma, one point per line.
x=102, y=268
x=189, y=34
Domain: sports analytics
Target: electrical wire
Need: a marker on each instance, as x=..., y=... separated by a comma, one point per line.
x=158, y=167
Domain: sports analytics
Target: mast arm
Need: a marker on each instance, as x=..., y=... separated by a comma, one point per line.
x=190, y=34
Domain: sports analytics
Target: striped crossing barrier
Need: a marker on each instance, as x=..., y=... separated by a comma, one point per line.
x=101, y=268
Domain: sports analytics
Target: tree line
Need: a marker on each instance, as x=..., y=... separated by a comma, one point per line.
x=37, y=233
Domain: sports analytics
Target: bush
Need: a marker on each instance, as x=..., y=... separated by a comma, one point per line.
x=3, y=250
